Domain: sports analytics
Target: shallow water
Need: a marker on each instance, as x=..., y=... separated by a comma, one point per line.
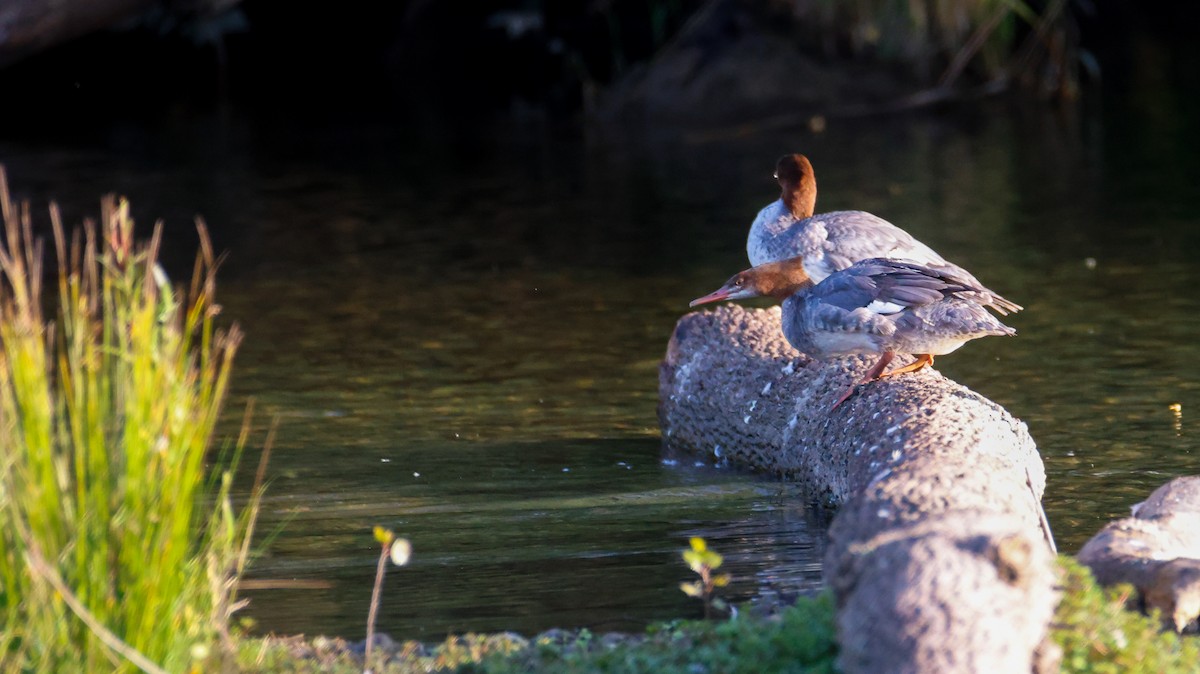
x=460, y=334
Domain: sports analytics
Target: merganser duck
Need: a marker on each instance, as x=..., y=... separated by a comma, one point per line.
x=875, y=306
x=832, y=241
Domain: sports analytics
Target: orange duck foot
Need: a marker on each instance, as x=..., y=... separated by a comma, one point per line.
x=922, y=360
x=877, y=372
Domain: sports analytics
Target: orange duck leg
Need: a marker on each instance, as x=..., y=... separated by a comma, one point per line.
x=877, y=372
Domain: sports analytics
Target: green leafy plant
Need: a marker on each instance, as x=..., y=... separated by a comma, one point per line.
x=704, y=562
x=119, y=547
x=1098, y=633
x=399, y=550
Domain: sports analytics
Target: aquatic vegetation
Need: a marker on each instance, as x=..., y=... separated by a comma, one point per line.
x=399, y=550
x=120, y=549
x=704, y=562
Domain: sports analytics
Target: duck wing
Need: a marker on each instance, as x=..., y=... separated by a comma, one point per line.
x=888, y=286
x=834, y=241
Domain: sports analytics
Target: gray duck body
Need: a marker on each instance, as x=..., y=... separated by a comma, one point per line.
x=880, y=305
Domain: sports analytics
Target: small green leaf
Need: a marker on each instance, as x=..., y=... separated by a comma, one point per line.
x=691, y=589
x=721, y=580
x=698, y=544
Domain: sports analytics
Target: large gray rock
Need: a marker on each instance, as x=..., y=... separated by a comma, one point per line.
x=1157, y=550
x=938, y=556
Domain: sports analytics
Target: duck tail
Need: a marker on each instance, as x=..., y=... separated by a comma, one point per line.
x=1003, y=306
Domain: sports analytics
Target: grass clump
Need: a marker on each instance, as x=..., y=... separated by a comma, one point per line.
x=118, y=551
x=1099, y=635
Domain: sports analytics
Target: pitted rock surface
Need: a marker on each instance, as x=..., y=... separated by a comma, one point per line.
x=937, y=555
x=733, y=365
x=913, y=585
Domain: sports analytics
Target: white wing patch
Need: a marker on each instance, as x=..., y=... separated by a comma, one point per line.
x=884, y=308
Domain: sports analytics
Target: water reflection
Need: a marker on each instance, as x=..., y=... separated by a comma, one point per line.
x=461, y=341
x=567, y=533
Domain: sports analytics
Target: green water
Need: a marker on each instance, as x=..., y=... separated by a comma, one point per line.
x=459, y=335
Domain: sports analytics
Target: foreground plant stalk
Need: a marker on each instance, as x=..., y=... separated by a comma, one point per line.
x=119, y=543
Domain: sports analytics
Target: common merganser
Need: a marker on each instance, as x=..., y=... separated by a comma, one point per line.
x=832, y=241
x=875, y=306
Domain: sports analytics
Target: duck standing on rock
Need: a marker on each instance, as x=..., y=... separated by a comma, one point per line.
x=874, y=306
x=829, y=242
